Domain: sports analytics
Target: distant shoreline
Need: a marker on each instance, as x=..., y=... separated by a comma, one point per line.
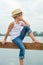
x=35, y=34
x=27, y=36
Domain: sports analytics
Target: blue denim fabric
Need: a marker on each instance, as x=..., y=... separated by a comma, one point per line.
x=25, y=30
x=19, y=43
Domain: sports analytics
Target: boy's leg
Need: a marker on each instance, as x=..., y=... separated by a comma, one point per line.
x=21, y=62
x=19, y=43
x=25, y=30
x=33, y=38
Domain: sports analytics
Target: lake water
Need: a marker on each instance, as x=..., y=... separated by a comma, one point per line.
x=26, y=39
x=11, y=56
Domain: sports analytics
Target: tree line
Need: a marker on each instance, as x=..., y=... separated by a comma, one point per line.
x=35, y=34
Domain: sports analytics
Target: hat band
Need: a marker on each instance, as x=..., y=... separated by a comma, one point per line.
x=17, y=14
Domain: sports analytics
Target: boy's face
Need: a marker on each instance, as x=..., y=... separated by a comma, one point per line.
x=19, y=17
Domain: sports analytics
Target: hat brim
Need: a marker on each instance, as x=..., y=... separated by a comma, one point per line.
x=15, y=15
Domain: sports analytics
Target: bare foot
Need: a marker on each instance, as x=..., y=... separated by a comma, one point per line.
x=33, y=41
x=3, y=42
x=36, y=41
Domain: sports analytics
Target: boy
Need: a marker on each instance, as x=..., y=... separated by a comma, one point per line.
x=17, y=35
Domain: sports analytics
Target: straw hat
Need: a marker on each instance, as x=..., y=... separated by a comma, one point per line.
x=15, y=12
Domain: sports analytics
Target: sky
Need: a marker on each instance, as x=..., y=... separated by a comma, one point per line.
x=32, y=9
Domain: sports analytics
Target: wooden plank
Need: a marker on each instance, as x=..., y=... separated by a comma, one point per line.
x=31, y=46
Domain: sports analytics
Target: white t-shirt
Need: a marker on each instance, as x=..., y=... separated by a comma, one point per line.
x=16, y=30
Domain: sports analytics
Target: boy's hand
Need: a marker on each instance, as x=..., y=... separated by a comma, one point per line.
x=4, y=41
x=26, y=23
x=22, y=19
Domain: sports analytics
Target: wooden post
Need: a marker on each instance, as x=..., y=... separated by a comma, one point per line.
x=31, y=46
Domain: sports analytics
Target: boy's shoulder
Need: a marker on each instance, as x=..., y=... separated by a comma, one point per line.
x=12, y=23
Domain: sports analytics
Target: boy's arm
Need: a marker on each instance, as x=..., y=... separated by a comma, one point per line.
x=8, y=31
x=25, y=23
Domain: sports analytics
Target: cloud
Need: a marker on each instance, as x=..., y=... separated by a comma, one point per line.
x=39, y=9
x=33, y=11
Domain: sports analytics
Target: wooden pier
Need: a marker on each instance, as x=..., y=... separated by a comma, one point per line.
x=31, y=46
